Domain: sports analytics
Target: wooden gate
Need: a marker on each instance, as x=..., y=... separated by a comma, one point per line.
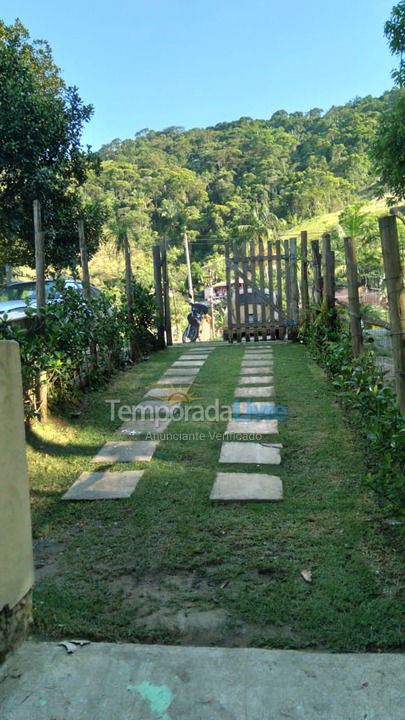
x=262, y=291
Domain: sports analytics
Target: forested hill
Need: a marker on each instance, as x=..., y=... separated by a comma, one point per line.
x=210, y=181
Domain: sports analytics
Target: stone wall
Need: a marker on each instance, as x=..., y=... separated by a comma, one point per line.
x=16, y=563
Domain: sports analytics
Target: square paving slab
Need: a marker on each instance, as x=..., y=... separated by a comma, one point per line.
x=193, y=356
x=182, y=371
x=104, y=485
x=252, y=427
x=144, y=427
x=255, y=370
x=258, y=356
x=255, y=363
x=247, y=487
x=176, y=380
x=253, y=408
x=126, y=451
x=250, y=452
x=258, y=392
x=255, y=379
x=188, y=363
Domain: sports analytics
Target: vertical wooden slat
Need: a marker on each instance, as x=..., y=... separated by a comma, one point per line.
x=279, y=301
x=235, y=264
x=228, y=291
x=270, y=277
x=304, y=275
x=354, y=302
x=293, y=280
x=245, y=293
x=394, y=278
x=263, y=304
x=287, y=279
x=253, y=266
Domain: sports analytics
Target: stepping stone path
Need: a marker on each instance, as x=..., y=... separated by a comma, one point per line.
x=251, y=486
x=150, y=417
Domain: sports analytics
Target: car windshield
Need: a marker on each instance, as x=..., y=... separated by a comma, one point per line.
x=19, y=291
x=26, y=292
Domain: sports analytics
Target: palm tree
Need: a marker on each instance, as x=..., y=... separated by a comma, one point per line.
x=262, y=223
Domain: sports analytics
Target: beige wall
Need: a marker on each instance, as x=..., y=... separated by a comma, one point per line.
x=16, y=564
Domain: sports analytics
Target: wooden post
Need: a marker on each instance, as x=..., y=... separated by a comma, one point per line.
x=9, y=272
x=263, y=303
x=190, y=279
x=84, y=260
x=245, y=293
x=287, y=279
x=157, y=274
x=134, y=350
x=394, y=278
x=41, y=389
x=228, y=292
x=304, y=275
x=212, y=319
x=166, y=296
x=254, y=292
x=235, y=264
x=316, y=272
x=328, y=260
x=294, y=287
x=39, y=258
x=353, y=292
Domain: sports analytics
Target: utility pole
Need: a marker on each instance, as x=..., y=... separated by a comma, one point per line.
x=39, y=257
x=212, y=320
x=190, y=280
x=84, y=260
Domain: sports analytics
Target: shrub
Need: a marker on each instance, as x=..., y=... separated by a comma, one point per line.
x=361, y=388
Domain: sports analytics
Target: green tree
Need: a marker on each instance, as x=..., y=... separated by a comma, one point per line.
x=40, y=153
x=388, y=149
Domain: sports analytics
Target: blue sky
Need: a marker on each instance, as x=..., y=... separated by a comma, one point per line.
x=194, y=63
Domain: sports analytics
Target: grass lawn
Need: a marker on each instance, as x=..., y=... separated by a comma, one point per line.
x=168, y=566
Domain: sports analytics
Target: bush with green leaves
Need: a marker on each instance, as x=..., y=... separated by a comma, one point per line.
x=361, y=388
x=77, y=340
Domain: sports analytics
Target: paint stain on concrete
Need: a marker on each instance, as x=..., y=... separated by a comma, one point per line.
x=159, y=697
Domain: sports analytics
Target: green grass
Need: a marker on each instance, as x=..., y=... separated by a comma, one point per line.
x=122, y=566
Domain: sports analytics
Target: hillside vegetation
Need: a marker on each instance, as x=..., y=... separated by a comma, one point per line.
x=234, y=180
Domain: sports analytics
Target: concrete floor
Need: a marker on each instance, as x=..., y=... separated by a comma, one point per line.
x=105, y=681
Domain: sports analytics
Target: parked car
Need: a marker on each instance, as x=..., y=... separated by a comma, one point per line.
x=16, y=297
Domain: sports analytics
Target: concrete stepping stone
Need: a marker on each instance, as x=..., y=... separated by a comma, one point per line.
x=104, y=485
x=144, y=427
x=259, y=392
x=252, y=427
x=155, y=406
x=161, y=393
x=254, y=408
x=193, y=356
x=247, y=487
x=258, y=356
x=250, y=452
x=255, y=363
x=176, y=380
x=255, y=379
x=182, y=371
x=255, y=370
x=188, y=363
x=126, y=451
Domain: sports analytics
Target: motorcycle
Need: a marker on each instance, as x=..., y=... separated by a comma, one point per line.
x=194, y=318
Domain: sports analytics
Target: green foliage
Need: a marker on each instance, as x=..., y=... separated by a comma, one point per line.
x=388, y=148
x=40, y=154
x=395, y=31
x=78, y=340
x=360, y=387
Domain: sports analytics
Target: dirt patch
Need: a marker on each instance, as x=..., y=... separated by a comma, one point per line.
x=47, y=556
x=188, y=606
